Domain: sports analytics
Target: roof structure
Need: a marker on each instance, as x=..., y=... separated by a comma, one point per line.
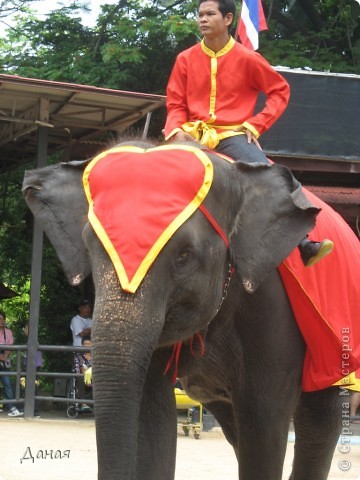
x=39, y=118
x=77, y=117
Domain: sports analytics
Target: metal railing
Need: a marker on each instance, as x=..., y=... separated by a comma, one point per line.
x=30, y=395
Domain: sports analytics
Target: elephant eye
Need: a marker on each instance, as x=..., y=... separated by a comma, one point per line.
x=183, y=256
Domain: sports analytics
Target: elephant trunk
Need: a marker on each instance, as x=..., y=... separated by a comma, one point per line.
x=124, y=340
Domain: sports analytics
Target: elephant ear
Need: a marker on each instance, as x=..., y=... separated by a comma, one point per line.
x=274, y=217
x=56, y=197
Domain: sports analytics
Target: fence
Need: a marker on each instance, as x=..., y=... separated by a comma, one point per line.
x=30, y=395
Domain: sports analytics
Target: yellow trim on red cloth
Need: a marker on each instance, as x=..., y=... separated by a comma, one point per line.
x=222, y=88
x=351, y=382
x=187, y=170
x=231, y=43
x=325, y=299
x=213, y=75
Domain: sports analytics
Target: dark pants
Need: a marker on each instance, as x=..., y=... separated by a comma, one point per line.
x=8, y=391
x=83, y=390
x=238, y=148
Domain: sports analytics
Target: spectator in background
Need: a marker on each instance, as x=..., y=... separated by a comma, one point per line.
x=6, y=338
x=81, y=324
x=82, y=361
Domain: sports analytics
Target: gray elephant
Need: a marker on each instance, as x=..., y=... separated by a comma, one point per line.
x=249, y=376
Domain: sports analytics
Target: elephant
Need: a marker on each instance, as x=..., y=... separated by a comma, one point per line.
x=218, y=277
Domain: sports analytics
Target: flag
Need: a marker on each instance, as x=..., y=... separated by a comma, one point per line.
x=251, y=22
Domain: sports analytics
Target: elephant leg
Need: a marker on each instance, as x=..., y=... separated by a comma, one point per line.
x=263, y=432
x=270, y=381
x=224, y=414
x=157, y=436
x=317, y=423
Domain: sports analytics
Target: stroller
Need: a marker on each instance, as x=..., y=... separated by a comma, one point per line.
x=74, y=408
x=76, y=388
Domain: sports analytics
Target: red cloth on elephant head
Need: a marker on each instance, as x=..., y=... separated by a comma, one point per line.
x=326, y=302
x=139, y=197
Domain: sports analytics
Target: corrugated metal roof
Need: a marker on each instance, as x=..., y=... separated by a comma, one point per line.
x=77, y=115
x=345, y=200
x=334, y=195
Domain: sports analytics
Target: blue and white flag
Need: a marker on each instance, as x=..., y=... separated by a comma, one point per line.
x=252, y=21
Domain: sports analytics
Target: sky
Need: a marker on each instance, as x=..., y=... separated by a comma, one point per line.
x=45, y=6
x=89, y=19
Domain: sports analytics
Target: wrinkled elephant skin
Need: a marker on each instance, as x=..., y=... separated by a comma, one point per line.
x=250, y=374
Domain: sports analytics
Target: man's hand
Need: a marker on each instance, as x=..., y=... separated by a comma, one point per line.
x=250, y=137
x=181, y=137
x=85, y=332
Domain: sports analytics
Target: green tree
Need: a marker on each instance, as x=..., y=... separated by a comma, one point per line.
x=59, y=300
x=134, y=43
x=321, y=35
x=10, y=7
x=132, y=46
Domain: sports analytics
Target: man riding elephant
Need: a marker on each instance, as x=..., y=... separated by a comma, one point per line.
x=212, y=93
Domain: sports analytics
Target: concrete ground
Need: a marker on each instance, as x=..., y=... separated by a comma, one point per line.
x=58, y=448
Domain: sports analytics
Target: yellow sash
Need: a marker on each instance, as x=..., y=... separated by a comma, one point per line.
x=207, y=134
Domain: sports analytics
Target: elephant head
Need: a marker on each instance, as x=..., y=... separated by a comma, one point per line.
x=257, y=213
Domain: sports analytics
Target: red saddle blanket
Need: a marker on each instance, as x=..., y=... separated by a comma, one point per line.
x=138, y=198
x=325, y=299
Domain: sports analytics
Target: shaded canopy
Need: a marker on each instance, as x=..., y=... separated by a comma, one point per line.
x=78, y=117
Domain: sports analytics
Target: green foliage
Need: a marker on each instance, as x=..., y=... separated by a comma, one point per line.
x=319, y=35
x=127, y=49
x=58, y=301
x=134, y=43
x=14, y=233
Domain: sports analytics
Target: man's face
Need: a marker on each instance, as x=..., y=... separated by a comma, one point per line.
x=210, y=20
x=85, y=311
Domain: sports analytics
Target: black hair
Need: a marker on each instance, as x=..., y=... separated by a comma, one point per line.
x=84, y=303
x=2, y=313
x=225, y=7
x=85, y=338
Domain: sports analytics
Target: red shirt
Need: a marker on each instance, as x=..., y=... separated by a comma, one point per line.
x=222, y=89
